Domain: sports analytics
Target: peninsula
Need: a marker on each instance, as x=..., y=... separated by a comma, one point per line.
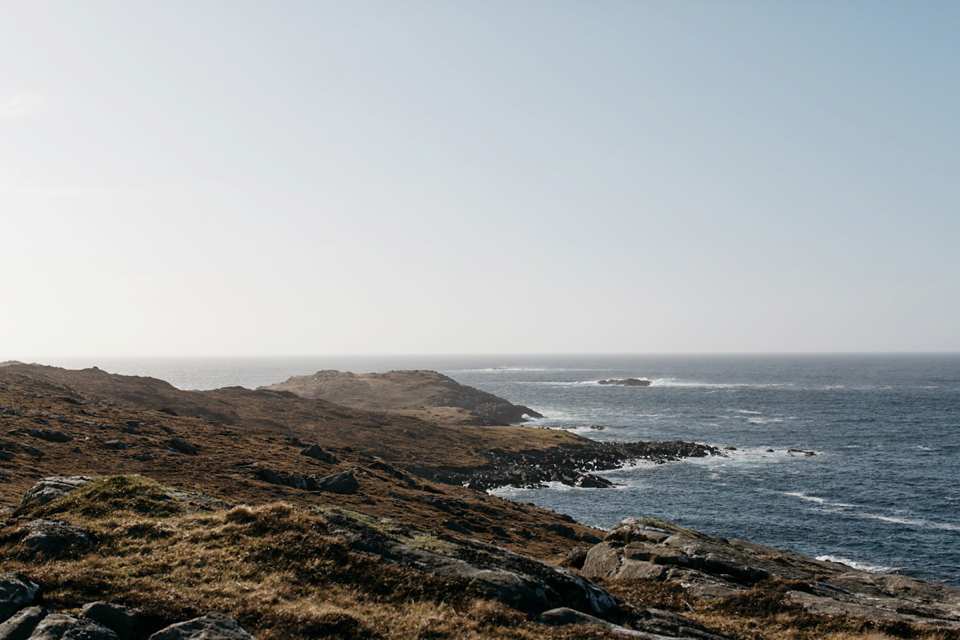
x=135, y=509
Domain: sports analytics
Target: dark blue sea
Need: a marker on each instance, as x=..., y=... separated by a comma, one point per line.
x=882, y=491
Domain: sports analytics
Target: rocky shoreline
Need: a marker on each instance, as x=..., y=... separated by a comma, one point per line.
x=570, y=464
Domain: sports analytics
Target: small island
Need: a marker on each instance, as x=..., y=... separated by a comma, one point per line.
x=626, y=382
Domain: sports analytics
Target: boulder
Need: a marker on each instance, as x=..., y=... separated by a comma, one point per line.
x=315, y=452
x=58, y=626
x=120, y=619
x=343, y=483
x=16, y=592
x=213, y=626
x=55, y=537
x=182, y=446
x=49, y=435
x=22, y=623
x=49, y=489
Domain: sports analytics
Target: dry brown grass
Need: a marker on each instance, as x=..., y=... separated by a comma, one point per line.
x=277, y=569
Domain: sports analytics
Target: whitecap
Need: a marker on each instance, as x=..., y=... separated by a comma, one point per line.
x=911, y=522
x=803, y=496
x=872, y=568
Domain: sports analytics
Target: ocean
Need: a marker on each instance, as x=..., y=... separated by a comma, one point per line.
x=879, y=492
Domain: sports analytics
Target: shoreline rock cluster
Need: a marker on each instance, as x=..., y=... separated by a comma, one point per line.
x=711, y=568
x=569, y=464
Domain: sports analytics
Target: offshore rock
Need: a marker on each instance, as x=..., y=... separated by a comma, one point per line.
x=626, y=382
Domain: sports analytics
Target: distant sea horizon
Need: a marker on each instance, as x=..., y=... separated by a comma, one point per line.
x=852, y=457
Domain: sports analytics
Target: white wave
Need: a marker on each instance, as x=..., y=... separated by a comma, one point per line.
x=744, y=455
x=803, y=496
x=911, y=522
x=627, y=469
x=674, y=382
x=872, y=568
x=754, y=413
x=836, y=506
x=514, y=493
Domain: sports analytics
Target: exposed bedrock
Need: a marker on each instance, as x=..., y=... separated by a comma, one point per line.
x=570, y=464
x=710, y=567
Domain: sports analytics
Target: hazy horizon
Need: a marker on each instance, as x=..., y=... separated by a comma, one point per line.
x=258, y=179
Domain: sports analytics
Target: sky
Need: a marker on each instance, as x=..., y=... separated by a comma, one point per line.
x=468, y=177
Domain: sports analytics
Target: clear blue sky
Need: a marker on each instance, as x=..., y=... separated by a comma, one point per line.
x=216, y=178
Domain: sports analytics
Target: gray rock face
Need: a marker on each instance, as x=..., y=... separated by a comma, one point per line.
x=116, y=617
x=491, y=572
x=55, y=537
x=22, y=624
x=511, y=589
x=57, y=626
x=652, y=624
x=49, y=489
x=213, y=626
x=16, y=592
x=343, y=483
x=708, y=567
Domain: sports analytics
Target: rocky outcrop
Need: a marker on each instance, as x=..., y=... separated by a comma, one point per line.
x=60, y=626
x=16, y=592
x=55, y=537
x=657, y=624
x=409, y=391
x=572, y=465
x=487, y=570
x=626, y=382
x=314, y=451
x=124, y=621
x=709, y=567
x=49, y=489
